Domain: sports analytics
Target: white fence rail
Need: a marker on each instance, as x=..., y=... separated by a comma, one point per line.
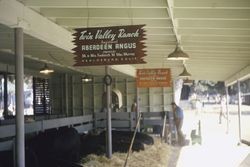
x=36, y=126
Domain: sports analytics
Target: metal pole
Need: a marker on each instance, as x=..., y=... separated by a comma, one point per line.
x=227, y=103
x=137, y=108
x=239, y=109
x=66, y=89
x=108, y=118
x=5, y=95
x=72, y=97
x=82, y=95
x=20, y=157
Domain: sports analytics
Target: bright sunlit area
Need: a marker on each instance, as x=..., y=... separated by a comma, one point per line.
x=215, y=136
x=10, y=95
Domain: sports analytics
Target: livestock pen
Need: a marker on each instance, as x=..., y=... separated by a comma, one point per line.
x=121, y=121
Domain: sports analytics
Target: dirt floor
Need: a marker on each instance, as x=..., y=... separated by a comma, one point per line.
x=157, y=155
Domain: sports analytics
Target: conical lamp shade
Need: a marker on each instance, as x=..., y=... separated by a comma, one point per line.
x=178, y=54
x=86, y=78
x=46, y=70
x=185, y=74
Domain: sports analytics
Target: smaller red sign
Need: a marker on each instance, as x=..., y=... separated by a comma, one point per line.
x=158, y=77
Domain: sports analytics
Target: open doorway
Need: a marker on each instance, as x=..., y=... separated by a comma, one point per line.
x=212, y=131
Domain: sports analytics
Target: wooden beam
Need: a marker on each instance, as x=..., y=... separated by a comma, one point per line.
x=236, y=39
x=96, y=3
x=241, y=75
x=204, y=31
x=126, y=69
x=215, y=44
x=104, y=12
x=115, y=21
x=211, y=4
x=214, y=13
x=214, y=24
x=15, y=14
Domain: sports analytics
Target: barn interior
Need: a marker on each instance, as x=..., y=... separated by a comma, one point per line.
x=214, y=33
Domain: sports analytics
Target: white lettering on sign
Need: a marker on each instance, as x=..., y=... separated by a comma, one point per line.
x=125, y=46
x=85, y=36
x=105, y=35
x=110, y=45
x=97, y=47
x=123, y=34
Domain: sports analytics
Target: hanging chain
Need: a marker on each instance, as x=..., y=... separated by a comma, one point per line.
x=131, y=12
x=88, y=14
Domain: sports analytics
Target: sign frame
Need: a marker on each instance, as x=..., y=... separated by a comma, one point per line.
x=109, y=45
x=155, y=77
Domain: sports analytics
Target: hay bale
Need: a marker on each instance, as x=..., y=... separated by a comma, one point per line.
x=156, y=155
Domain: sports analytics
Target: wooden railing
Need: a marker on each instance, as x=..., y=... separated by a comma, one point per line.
x=120, y=120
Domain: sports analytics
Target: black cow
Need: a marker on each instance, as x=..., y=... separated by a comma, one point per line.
x=54, y=145
x=120, y=141
x=6, y=158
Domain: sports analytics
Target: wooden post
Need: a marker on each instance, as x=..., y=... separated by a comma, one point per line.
x=130, y=121
x=72, y=96
x=5, y=94
x=227, y=103
x=163, y=126
x=239, y=110
x=138, y=108
x=66, y=89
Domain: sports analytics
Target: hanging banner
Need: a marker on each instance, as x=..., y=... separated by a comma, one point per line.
x=109, y=45
x=146, y=78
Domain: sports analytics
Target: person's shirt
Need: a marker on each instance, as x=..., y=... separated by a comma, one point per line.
x=179, y=112
x=134, y=107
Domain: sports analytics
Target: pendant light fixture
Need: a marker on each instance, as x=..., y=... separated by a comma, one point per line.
x=46, y=70
x=86, y=78
x=184, y=73
x=178, y=54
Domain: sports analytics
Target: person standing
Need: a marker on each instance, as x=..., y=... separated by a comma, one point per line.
x=222, y=108
x=178, y=120
x=134, y=107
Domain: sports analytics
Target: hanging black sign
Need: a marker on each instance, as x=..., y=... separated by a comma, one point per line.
x=109, y=45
